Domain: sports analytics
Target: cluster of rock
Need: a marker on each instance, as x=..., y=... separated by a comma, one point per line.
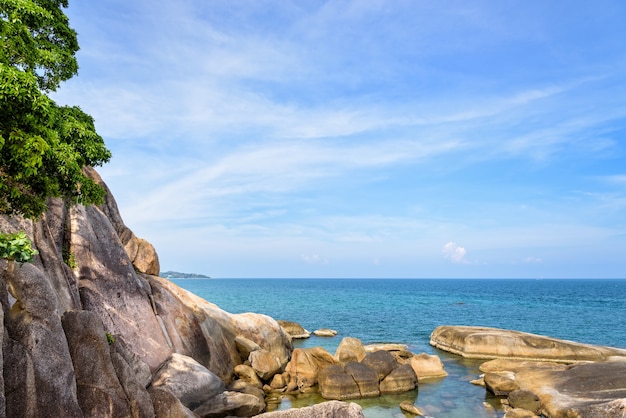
x=297, y=332
x=354, y=371
x=538, y=375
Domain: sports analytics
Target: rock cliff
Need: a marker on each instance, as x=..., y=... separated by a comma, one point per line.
x=88, y=328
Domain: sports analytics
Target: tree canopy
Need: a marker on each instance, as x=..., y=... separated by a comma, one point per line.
x=43, y=146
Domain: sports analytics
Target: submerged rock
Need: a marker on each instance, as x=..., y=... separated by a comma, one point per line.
x=408, y=406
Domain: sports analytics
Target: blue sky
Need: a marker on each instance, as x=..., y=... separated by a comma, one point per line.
x=363, y=138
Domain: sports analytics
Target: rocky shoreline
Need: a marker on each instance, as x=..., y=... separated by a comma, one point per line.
x=91, y=330
x=538, y=375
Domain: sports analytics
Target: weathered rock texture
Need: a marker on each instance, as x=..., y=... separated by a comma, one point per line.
x=331, y=409
x=581, y=390
x=485, y=343
x=86, y=325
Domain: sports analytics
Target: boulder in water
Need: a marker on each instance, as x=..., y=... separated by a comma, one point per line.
x=483, y=342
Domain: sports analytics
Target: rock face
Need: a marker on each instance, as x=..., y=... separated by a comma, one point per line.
x=581, y=390
x=481, y=342
x=86, y=328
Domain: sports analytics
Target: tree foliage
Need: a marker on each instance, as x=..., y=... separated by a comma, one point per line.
x=43, y=147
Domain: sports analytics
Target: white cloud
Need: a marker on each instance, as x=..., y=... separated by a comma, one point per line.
x=314, y=259
x=454, y=252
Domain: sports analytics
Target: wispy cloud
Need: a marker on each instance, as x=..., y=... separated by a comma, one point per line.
x=365, y=130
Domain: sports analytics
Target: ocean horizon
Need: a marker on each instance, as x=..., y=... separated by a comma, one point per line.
x=406, y=311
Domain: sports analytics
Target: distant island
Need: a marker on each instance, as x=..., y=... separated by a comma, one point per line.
x=179, y=275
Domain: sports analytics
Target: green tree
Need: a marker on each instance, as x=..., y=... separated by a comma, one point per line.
x=43, y=147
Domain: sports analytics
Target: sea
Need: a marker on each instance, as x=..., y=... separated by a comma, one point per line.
x=408, y=310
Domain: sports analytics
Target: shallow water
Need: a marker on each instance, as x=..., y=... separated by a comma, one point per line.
x=407, y=311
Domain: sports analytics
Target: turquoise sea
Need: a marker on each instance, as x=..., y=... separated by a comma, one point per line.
x=407, y=311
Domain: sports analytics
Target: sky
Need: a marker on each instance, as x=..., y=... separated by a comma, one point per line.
x=406, y=139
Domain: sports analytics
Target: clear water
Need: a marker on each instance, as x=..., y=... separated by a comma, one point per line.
x=407, y=311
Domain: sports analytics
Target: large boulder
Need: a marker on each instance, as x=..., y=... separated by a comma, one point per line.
x=484, y=343
x=305, y=365
x=166, y=405
x=294, y=329
x=511, y=365
x=188, y=380
x=334, y=409
x=245, y=346
x=525, y=399
x=141, y=253
x=228, y=404
x=382, y=362
x=247, y=374
x=427, y=366
x=350, y=349
x=365, y=378
x=265, y=364
x=579, y=391
x=500, y=383
x=336, y=383
x=401, y=379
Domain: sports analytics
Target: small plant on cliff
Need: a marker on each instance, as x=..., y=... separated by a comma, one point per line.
x=16, y=247
x=110, y=338
x=69, y=259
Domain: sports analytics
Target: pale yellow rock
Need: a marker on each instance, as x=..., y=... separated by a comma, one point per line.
x=350, y=349
x=483, y=342
x=324, y=332
x=427, y=366
x=305, y=365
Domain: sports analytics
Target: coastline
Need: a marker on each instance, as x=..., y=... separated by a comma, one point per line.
x=402, y=311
